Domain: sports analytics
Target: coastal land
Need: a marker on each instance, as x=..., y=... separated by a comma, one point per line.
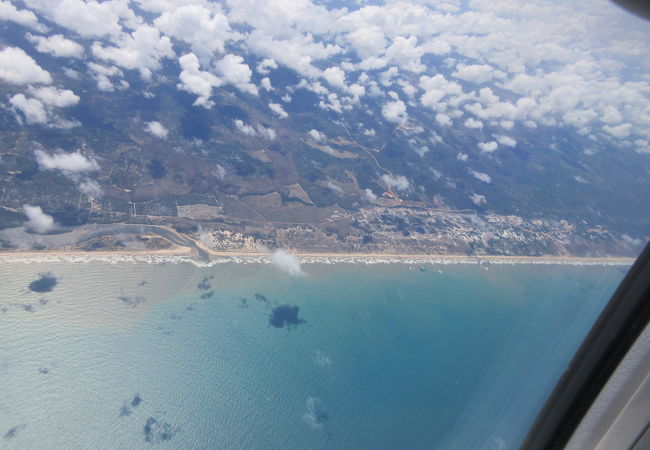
x=405, y=233
x=153, y=243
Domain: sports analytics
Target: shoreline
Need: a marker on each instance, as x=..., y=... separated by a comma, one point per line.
x=185, y=255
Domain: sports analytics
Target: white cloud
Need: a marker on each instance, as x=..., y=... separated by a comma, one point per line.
x=497, y=110
x=233, y=71
x=619, y=131
x=436, y=138
x=40, y=109
x=21, y=16
x=283, y=18
x=443, y=120
x=422, y=150
x=477, y=199
x=484, y=177
x=313, y=414
x=38, y=221
x=506, y=140
x=88, y=19
x=259, y=130
x=101, y=75
x=279, y=110
x=268, y=133
x=632, y=241
x=408, y=88
x=371, y=196
x=220, y=171
x=611, y=115
x=66, y=162
x=507, y=124
x=405, y=53
x=642, y=146
x=461, y=157
x=318, y=136
x=33, y=110
x=334, y=103
x=335, y=77
x=473, y=123
x=196, y=81
x=439, y=92
x=322, y=360
x=17, y=67
x=71, y=73
x=399, y=182
x=367, y=41
x=287, y=262
x=204, y=27
x=244, y=128
x=74, y=166
x=140, y=50
x=265, y=66
x=53, y=96
x=56, y=45
x=394, y=111
x=477, y=73
x=266, y=84
x=298, y=53
x=488, y=147
x=552, y=66
x=337, y=189
x=90, y=187
x=157, y=129
x=387, y=78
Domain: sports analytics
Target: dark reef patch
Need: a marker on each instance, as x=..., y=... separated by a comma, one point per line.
x=45, y=283
x=207, y=295
x=132, y=301
x=13, y=431
x=136, y=400
x=285, y=315
x=156, y=431
x=243, y=302
x=125, y=411
x=205, y=285
x=166, y=331
x=261, y=297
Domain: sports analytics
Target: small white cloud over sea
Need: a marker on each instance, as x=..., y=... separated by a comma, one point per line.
x=316, y=415
x=287, y=262
x=321, y=359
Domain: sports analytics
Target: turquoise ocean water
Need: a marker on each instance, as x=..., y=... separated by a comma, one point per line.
x=386, y=356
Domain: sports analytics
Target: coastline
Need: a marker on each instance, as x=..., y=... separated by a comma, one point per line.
x=185, y=255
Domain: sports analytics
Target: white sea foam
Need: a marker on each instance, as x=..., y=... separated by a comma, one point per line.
x=17, y=258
